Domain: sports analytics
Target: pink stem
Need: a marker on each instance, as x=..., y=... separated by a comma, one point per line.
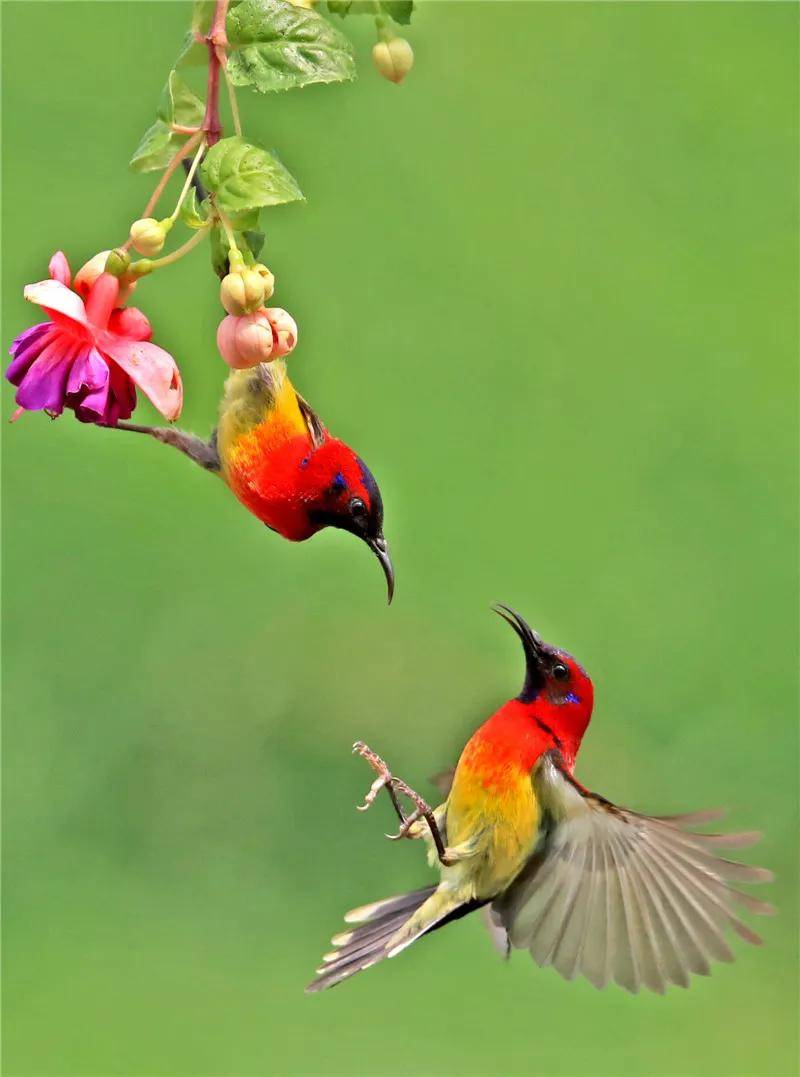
x=217, y=42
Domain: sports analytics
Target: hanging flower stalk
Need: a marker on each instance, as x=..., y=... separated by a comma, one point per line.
x=94, y=353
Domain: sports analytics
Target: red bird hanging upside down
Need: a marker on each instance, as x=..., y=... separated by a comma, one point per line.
x=587, y=887
x=274, y=453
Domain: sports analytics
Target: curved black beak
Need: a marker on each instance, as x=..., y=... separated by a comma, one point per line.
x=380, y=548
x=533, y=647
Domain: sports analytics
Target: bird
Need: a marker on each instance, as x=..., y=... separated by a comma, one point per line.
x=276, y=456
x=587, y=887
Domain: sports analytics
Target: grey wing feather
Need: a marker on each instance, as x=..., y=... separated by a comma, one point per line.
x=613, y=895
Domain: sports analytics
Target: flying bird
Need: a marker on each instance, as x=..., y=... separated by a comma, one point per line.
x=275, y=454
x=592, y=889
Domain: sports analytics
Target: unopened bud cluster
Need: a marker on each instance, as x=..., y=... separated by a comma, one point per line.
x=245, y=290
x=252, y=333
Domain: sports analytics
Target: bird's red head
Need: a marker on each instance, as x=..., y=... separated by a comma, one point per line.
x=558, y=694
x=337, y=489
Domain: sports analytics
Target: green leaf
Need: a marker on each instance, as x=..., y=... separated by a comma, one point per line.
x=194, y=214
x=399, y=10
x=179, y=104
x=219, y=252
x=193, y=53
x=202, y=16
x=243, y=221
x=275, y=46
x=157, y=148
x=159, y=143
x=255, y=241
x=243, y=177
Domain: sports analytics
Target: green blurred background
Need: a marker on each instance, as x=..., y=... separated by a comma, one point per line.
x=548, y=289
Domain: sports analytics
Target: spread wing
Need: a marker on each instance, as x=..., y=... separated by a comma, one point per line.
x=617, y=896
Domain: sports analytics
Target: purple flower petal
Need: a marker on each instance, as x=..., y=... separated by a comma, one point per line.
x=28, y=336
x=123, y=395
x=89, y=371
x=93, y=407
x=44, y=384
x=26, y=348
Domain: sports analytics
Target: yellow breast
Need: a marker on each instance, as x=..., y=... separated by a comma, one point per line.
x=502, y=825
x=258, y=411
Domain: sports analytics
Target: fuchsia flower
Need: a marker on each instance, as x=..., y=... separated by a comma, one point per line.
x=91, y=356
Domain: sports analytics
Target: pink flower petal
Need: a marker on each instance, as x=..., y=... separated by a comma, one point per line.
x=151, y=368
x=55, y=296
x=59, y=268
x=129, y=322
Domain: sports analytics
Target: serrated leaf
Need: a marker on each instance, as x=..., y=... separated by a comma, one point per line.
x=243, y=177
x=339, y=7
x=275, y=46
x=157, y=148
x=194, y=214
x=179, y=104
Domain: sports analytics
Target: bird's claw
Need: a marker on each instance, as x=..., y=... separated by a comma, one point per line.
x=374, y=789
x=393, y=786
x=406, y=825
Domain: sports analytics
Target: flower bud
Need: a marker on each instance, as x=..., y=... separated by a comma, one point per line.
x=118, y=262
x=284, y=331
x=148, y=235
x=245, y=341
x=88, y=273
x=267, y=278
x=393, y=59
x=242, y=293
x=231, y=293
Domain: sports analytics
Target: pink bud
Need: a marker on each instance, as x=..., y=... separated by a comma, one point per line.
x=245, y=340
x=131, y=323
x=284, y=331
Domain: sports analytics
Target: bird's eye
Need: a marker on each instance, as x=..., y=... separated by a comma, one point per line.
x=560, y=671
x=357, y=508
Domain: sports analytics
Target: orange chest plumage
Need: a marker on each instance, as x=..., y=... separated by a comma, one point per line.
x=263, y=468
x=492, y=805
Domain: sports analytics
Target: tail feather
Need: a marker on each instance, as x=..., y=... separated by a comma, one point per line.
x=365, y=944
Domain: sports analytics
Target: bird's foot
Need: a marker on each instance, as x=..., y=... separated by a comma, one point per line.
x=408, y=823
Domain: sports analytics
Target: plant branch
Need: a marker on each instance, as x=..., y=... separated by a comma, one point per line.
x=190, y=244
x=217, y=43
x=184, y=151
x=237, y=123
x=189, y=177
